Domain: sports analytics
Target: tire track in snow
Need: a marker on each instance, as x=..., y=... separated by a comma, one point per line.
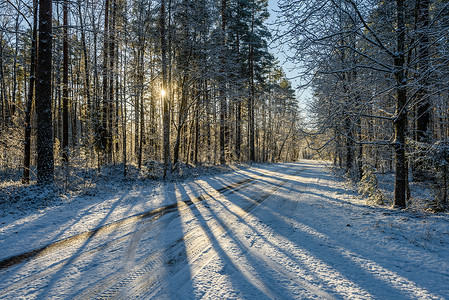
x=123, y=284
x=258, y=258
x=115, y=285
x=87, y=235
x=139, y=276
x=142, y=282
x=146, y=217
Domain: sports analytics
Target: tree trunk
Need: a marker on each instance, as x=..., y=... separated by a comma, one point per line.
x=90, y=108
x=111, y=122
x=197, y=134
x=2, y=87
x=96, y=107
x=104, y=120
x=29, y=105
x=238, y=130
x=251, y=125
x=423, y=109
x=142, y=112
x=400, y=123
x=251, y=120
x=349, y=146
x=123, y=108
x=181, y=118
x=359, y=172
x=140, y=72
x=45, y=159
x=165, y=92
x=65, y=85
x=222, y=85
x=136, y=123
x=285, y=140
x=12, y=105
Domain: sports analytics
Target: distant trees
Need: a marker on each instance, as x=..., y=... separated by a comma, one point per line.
x=140, y=82
x=374, y=67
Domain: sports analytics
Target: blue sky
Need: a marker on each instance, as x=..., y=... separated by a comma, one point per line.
x=289, y=68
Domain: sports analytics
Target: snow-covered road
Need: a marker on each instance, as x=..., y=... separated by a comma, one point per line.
x=281, y=231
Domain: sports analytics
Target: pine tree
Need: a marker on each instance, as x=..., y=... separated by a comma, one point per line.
x=45, y=159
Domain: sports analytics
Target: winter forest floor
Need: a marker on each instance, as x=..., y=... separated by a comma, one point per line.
x=279, y=231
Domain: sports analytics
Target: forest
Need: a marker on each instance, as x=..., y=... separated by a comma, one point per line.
x=379, y=75
x=140, y=83
x=164, y=85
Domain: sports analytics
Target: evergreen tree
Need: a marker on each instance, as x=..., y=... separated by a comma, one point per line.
x=45, y=159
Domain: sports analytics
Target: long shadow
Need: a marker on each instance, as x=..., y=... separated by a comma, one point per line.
x=57, y=241
x=311, y=185
x=59, y=244
x=176, y=260
x=324, y=253
x=355, y=271
x=223, y=255
x=247, y=208
x=248, y=211
x=250, y=200
x=65, y=227
x=299, y=188
x=73, y=257
x=347, y=255
x=318, y=250
x=56, y=277
x=347, y=273
x=88, y=235
x=175, y=222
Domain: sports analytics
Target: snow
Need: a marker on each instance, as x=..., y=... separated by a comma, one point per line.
x=278, y=231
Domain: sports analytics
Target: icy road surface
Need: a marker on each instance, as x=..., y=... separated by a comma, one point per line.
x=282, y=231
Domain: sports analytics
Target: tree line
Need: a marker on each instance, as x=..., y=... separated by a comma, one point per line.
x=379, y=75
x=89, y=83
